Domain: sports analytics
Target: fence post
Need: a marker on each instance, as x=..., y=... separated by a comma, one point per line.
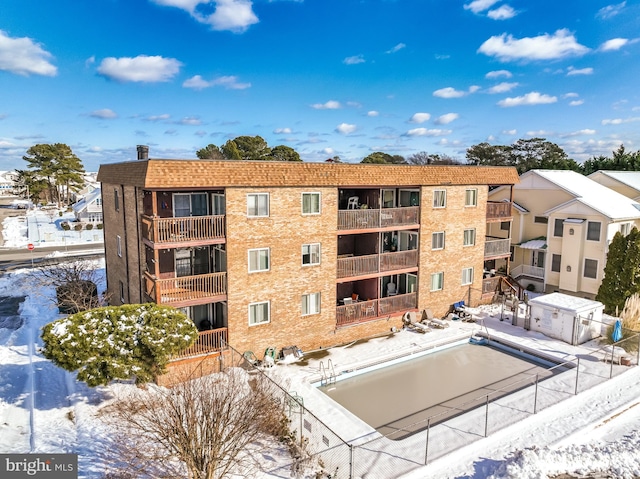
x=426, y=448
x=577, y=376
x=486, y=417
x=350, y=461
x=535, y=398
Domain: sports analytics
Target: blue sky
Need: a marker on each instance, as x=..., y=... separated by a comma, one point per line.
x=325, y=77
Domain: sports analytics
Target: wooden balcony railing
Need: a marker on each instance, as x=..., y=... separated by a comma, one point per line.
x=497, y=210
x=185, y=288
x=376, y=263
x=207, y=342
x=378, y=218
x=182, y=229
x=494, y=248
x=367, y=310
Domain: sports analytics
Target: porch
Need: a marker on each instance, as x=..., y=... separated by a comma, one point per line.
x=208, y=342
x=351, y=266
x=362, y=311
x=186, y=290
x=366, y=218
x=498, y=211
x=165, y=231
x=496, y=247
x=527, y=270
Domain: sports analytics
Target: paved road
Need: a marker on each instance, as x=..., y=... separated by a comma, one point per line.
x=11, y=258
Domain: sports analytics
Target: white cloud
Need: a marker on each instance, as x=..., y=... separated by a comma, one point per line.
x=502, y=87
x=282, y=131
x=474, y=88
x=576, y=102
x=232, y=15
x=330, y=105
x=24, y=57
x=354, y=60
x=579, y=71
x=570, y=95
x=164, y=116
x=397, y=48
x=539, y=133
x=447, y=118
x=105, y=114
x=504, y=12
x=543, y=47
x=420, y=117
x=427, y=132
x=478, y=6
x=448, y=92
x=142, y=68
x=620, y=121
x=498, y=74
x=613, y=44
x=510, y=132
x=586, y=131
x=373, y=113
x=532, y=98
x=230, y=82
x=345, y=128
x=610, y=10
x=191, y=121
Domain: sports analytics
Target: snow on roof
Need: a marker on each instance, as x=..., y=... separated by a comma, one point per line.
x=87, y=200
x=594, y=195
x=629, y=178
x=565, y=301
x=534, y=244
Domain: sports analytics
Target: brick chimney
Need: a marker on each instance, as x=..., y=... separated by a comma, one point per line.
x=143, y=152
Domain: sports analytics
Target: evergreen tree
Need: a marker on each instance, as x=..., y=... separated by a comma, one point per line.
x=118, y=342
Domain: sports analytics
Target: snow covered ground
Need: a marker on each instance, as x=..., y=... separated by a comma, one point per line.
x=597, y=432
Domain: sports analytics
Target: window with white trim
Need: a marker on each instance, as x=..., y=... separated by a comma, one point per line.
x=471, y=197
x=119, y=245
x=310, y=304
x=116, y=199
x=590, y=268
x=469, y=237
x=556, y=260
x=625, y=229
x=259, y=313
x=257, y=205
x=437, y=281
x=558, y=226
x=310, y=203
x=467, y=276
x=439, y=198
x=311, y=254
x=593, y=230
x=437, y=240
x=122, y=299
x=258, y=260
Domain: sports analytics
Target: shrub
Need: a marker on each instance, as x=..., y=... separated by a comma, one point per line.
x=99, y=226
x=65, y=226
x=78, y=227
x=89, y=227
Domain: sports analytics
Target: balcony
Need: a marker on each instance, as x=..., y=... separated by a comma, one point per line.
x=378, y=218
x=207, y=342
x=168, y=231
x=186, y=290
x=497, y=248
x=498, y=211
x=376, y=263
x=363, y=311
x=527, y=270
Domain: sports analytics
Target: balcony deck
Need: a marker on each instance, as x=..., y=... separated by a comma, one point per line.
x=498, y=211
x=376, y=263
x=378, y=218
x=169, y=231
x=362, y=311
x=497, y=248
x=208, y=342
x=186, y=290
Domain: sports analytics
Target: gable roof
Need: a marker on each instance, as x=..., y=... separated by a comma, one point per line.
x=627, y=178
x=87, y=200
x=590, y=193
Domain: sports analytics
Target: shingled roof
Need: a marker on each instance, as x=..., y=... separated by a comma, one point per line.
x=214, y=173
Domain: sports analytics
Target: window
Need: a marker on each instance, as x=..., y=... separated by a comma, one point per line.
x=258, y=313
x=437, y=280
x=625, y=229
x=258, y=260
x=439, y=198
x=557, y=227
x=310, y=254
x=310, y=203
x=258, y=204
x=119, y=245
x=471, y=197
x=505, y=225
x=469, y=237
x=555, y=262
x=593, y=230
x=540, y=219
x=122, y=292
x=116, y=200
x=590, y=268
x=310, y=304
x=437, y=240
x=467, y=276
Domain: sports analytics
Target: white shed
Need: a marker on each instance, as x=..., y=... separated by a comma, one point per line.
x=568, y=318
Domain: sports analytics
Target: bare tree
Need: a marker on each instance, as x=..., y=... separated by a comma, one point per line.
x=204, y=428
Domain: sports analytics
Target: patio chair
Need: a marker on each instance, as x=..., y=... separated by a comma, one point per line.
x=352, y=204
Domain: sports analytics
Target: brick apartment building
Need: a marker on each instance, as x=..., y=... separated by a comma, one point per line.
x=274, y=254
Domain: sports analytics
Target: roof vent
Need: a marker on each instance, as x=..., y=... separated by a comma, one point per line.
x=143, y=152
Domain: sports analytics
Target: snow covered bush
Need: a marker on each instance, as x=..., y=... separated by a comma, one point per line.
x=118, y=342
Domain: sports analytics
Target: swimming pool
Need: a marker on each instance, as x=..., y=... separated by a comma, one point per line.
x=438, y=385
